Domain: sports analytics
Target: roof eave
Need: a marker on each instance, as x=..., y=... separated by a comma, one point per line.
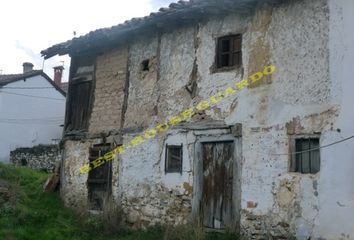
x=182, y=11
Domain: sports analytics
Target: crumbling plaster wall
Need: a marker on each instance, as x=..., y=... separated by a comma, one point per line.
x=274, y=201
x=73, y=188
x=143, y=86
x=159, y=93
x=73, y=185
x=151, y=196
x=293, y=37
x=301, y=95
x=176, y=64
x=148, y=195
x=336, y=192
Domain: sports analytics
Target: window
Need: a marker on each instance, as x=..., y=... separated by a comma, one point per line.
x=145, y=65
x=306, y=156
x=229, y=51
x=79, y=104
x=173, y=162
x=80, y=95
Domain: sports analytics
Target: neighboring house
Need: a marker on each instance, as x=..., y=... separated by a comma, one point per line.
x=32, y=110
x=242, y=165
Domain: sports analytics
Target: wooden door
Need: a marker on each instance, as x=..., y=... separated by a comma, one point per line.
x=217, y=184
x=99, y=180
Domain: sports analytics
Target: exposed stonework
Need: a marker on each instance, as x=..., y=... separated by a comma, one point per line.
x=111, y=71
x=270, y=202
x=156, y=204
x=143, y=85
x=40, y=157
x=73, y=188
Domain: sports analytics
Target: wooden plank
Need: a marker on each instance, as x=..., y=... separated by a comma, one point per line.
x=198, y=184
x=226, y=159
x=208, y=185
x=217, y=184
x=236, y=193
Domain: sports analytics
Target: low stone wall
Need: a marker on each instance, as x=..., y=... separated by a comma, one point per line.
x=41, y=157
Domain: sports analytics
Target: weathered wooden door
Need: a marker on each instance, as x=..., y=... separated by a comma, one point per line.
x=217, y=184
x=99, y=181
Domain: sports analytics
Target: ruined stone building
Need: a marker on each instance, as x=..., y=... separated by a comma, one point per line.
x=274, y=160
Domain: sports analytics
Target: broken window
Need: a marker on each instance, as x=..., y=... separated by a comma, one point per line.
x=173, y=162
x=306, y=155
x=99, y=179
x=229, y=51
x=145, y=65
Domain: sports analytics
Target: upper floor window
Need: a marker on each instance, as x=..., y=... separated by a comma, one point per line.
x=229, y=51
x=80, y=96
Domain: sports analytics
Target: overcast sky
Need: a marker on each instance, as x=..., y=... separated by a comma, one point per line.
x=29, y=26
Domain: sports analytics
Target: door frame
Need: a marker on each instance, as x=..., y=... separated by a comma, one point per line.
x=198, y=178
x=108, y=191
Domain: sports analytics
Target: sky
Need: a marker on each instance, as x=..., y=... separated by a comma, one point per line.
x=29, y=26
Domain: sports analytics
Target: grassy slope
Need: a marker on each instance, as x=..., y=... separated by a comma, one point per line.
x=31, y=214
x=26, y=213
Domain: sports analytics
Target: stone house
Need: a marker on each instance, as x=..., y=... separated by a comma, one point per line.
x=273, y=161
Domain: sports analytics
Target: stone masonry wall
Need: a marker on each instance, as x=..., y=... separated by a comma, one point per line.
x=109, y=91
x=73, y=186
x=156, y=204
x=41, y=157
x=275, y=203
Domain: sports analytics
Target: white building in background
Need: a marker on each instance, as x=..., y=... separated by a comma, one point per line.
x=32, y=110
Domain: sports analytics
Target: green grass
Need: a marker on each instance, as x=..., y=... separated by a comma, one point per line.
x=26, y=213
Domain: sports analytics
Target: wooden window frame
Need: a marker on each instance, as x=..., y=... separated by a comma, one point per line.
x=233, y=51
x=293, y=150
x=75, y=124
x=72, y=125
x=167, y=170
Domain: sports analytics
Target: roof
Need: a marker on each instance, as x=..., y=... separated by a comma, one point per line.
x=10, y=78
x=183, y=12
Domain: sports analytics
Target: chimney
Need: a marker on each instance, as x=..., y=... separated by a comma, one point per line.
x=27, y=67
x=58, y=73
